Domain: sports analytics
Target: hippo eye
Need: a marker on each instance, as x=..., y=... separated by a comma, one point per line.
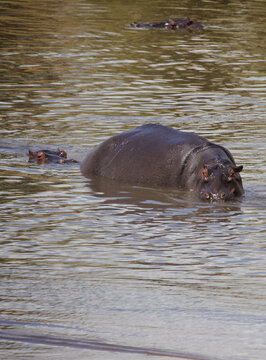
x=40, y=155
x=233, y=177
x=205, y=175
x=63, y=154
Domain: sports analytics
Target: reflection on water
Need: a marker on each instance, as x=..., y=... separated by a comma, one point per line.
x=130, y=270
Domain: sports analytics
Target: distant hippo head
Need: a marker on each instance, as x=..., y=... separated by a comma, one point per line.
x=45, y=156
x=220, y=182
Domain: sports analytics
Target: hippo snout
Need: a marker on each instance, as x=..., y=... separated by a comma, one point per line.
x=221, y=182
x=216, y=196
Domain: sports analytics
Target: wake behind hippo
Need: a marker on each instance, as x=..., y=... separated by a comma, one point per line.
x=158, y=155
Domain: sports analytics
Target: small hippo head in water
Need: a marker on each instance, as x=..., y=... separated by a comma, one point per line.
x=46, y=156
x=220, y=182
x=183, y=24
x=171, y=24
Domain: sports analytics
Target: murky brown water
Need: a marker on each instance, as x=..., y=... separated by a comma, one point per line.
x=93, y=270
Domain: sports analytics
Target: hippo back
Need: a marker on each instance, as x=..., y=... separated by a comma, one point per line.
x=150, y=154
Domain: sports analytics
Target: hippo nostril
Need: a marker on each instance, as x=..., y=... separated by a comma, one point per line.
x=223, y=195
x=207, y=196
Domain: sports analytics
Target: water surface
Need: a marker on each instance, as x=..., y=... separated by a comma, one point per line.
x=92, y=269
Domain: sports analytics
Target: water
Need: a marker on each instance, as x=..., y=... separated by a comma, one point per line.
x=92, y=269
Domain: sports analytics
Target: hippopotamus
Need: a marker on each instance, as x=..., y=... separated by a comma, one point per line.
x=159, y=155
x=45, y=156
x=172, y=24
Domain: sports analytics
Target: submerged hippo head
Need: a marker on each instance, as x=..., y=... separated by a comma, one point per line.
x=183, y=24
x=45, y=156
x=174, y=24
x=220, y=182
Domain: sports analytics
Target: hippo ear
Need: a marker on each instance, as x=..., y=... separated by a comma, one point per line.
x=238, y=169
x=31, y=155
x=234, y=170
x=61, y=153
x=41, y=155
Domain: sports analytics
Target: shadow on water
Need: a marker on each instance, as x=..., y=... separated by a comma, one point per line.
x=88, y=344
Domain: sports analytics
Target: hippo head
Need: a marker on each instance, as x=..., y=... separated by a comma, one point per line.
x=172, y=24
x=220, y=182
x=45, y=156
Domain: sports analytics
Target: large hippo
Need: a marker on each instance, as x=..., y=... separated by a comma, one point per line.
x=172, y=24
x=158, y=155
